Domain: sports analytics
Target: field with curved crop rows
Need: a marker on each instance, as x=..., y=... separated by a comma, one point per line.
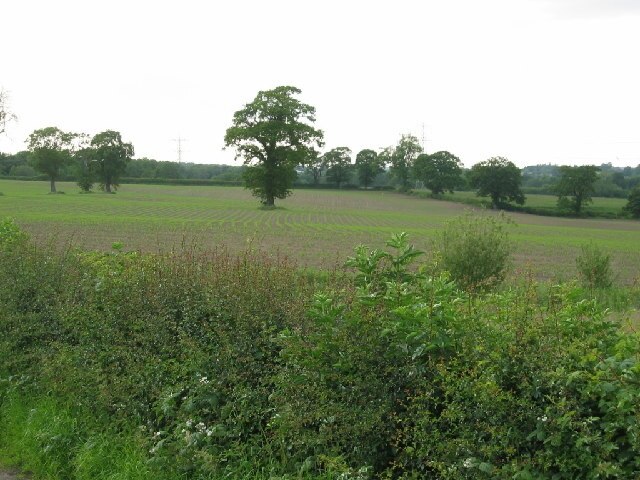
x=317, y=228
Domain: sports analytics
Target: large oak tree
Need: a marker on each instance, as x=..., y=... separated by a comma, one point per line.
x=273, y=134
x=499, y=179
x=440, y=171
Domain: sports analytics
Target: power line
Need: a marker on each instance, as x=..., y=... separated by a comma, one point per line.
x=179, y=140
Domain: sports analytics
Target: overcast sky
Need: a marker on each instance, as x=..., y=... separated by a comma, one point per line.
x=537, y=81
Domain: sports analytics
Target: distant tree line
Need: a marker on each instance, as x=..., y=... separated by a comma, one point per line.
x=275, y=137
x=21, y=165
x=611, y=181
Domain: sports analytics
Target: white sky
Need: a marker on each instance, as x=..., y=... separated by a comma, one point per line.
x=537, y=81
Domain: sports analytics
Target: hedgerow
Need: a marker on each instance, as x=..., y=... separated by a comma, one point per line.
x=197, y=365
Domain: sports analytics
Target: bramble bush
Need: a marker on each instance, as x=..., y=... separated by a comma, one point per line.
x=197, y=366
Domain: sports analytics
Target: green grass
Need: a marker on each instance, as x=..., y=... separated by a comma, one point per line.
x=41, y=436
x=317, y=228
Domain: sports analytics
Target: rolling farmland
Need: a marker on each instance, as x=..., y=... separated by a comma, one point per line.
x=318, y=228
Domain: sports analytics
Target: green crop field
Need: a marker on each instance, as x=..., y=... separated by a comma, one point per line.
x=317, y=228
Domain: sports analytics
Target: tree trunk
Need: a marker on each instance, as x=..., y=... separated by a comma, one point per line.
x=107, y=187
x=53, y=185
x=269, y=201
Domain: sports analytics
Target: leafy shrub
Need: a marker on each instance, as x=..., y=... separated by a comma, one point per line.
x=85, y=182
x=10, y=234
x=594, y=267
x=475, y=250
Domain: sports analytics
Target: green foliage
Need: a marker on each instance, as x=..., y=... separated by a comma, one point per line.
x=476, y=250
x=575, y=187
x=262, y=180
x=440, y=171
x=368, y=166
x=337, y=162
x=22, y=171
x=52, y=440
x=10, y=235
x=408, y=377
x=130, y=341
x=85, y=168
x=273, y=134
x=315, y=166
x=594, y=267
x=499, y=179
x=146, y=170
x=633, y=205
x=205, y=365
x=110, y=157
x=402, y=158
x=50, y=151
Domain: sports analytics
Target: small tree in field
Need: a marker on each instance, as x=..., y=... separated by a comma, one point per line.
x=575, y=186
x=476, y=250
x=50, y=150
x=111, y=156
x=84, y=171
